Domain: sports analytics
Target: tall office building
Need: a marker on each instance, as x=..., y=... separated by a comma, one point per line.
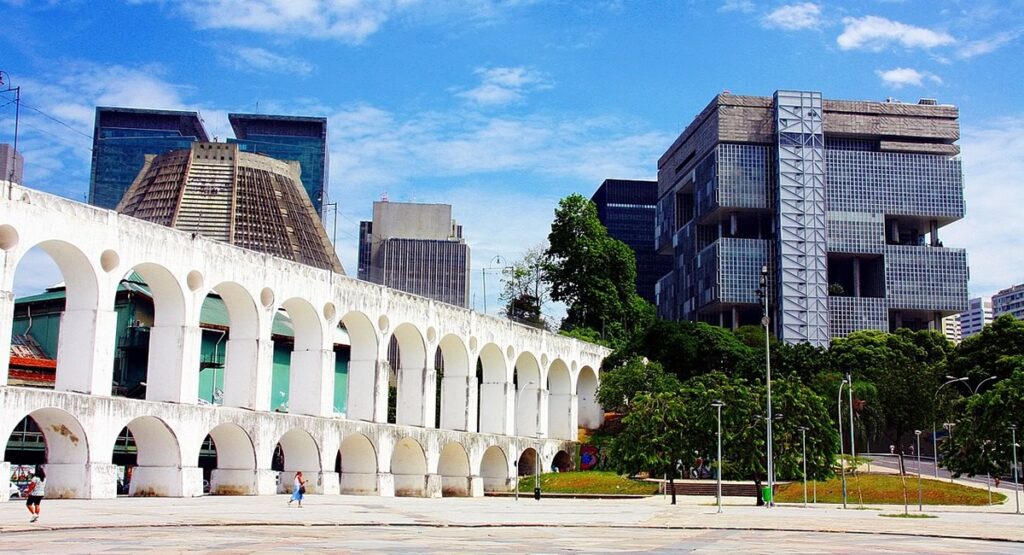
x=293, y=138
x=247, y=200
x=841, y=202
x=626, y=208
x=1009, y=301
x=951, y=328
x=978, y=315
x=12, y=164
x=416, y=248
x=122, y=137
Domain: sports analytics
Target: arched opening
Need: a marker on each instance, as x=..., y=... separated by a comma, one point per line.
x=230, y=349
x=494, y=469
x=561, y=413
x=148, y=459
x=363, y=403
x=299, y=453
x=494, y=411
x=56, y=288
x=453, y=466
x=590, y=414
x=528, y=396
x=456, y=385
x=527, y=465
x=358, y=466
x=54, y=438
x=233, y=470
x=303, y=345
x=416, y=385
x=562, y=462
x=409, y=469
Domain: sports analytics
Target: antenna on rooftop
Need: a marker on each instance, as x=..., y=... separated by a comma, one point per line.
x=384, y=196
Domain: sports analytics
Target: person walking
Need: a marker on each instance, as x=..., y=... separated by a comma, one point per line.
x=298, y=489
x=36, y=492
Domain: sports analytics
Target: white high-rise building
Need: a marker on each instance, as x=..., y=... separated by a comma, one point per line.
x=976, y=317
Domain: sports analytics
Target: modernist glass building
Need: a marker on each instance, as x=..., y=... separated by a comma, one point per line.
x=122, y=137
x=290, y=138
x=626, y=208
x=840, y=201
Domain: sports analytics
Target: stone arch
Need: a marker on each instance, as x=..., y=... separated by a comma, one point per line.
x=311, y=365
x=301, y=454
x=358, y=465
x=529, y=396
x=409, y=468
x=561, y=402
x=591, y=416
x=242, y=384
x=235, y=473
x=494, y=469
x=416, y=381
x=453, y=466
x=494, y=391
x=66, y=454
x=458, y=386
x=562, y=462
x=365, y=401
x=158, y=464
x=527, y=462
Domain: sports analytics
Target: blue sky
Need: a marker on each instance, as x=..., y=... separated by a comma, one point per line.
x=501, y=108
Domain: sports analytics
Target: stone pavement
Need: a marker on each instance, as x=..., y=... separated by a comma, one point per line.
x=381, y=524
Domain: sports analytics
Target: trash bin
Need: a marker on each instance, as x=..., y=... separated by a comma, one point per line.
x=766, y=495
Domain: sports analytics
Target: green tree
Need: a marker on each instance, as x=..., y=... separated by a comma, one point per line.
x=592, y=273
x=525, y=292
x=638, y=375
x=981, y=442
x=688, y=349
x=997, y=351
x=650, y=439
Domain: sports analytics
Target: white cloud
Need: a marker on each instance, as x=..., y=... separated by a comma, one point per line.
x=260, y=59
x=993, y=186
x=876, y=33
x=793, y=17
x=986, y=45
x=902, y=76
x=504, y=85
x=744, y=6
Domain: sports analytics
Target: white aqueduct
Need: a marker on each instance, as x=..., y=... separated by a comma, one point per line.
x=537, y=387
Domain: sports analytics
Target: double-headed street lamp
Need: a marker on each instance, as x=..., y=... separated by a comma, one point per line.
x=718, y=405
x=842, y=451
x=803, y=442
x=935, y=435
x=762, y=292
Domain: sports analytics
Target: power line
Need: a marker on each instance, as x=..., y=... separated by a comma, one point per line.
x=52, y=118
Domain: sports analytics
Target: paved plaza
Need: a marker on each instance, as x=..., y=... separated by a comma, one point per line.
x=497, y=525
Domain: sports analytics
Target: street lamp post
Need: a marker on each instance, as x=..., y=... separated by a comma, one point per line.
x=762, y=292
x=497, y=263
x=718, y=405
x=842, y=452
x=935, y=436
x=918, y=434
x=949, y=427
x=803, y=442
x=1016, y=487
x=853, y=445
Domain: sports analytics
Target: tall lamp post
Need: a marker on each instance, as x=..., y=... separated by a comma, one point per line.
x=718, y=405
x=842, y=452
x=1016, y=487
x=762, y=292
x=949, y=428
x=497, y=263
x=918, y=434
x=935, y=436
x=803, y=442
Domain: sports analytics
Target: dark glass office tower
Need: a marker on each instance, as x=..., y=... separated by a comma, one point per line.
x=122, y=138
x=841, y=201
x=291, y=138
x=626, y=208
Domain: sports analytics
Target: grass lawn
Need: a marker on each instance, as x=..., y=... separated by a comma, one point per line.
x=886, y=489
x=588, y=482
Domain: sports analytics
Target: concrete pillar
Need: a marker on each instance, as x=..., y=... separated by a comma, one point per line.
x=247, y=373
x=476, y=486
x=542, y=413
x=562, y=416
x=385, y=484
x=6, y=326
x=85, y=351
x=933, y=229
x=81, y=481
x=856, y=277
x=311, y=383
x=497, y=408
x=433, y=485
x=417, y=397
x=894, y=232
x=531, y=414
x=166, y=481
x=330, y=483
x=459, y=403
x=5, y=480
x=735, y=317
x=367, y=391
x=173, y=370
x=733, y=224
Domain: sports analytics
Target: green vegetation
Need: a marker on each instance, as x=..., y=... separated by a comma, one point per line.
x=887, y=489
x=591, y=482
